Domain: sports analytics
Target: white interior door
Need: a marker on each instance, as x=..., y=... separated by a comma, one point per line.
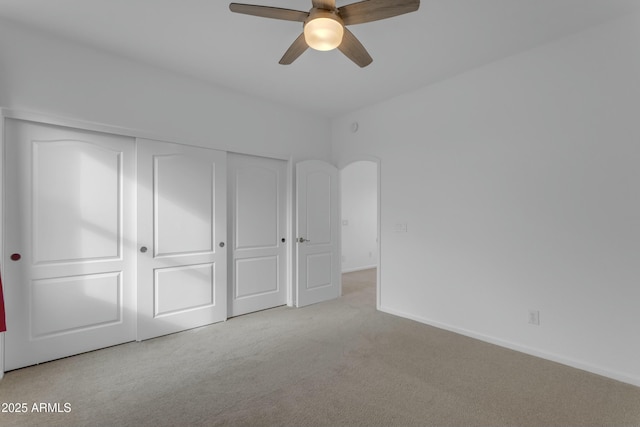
x=317, y=244
x=181, y=238
x=257, y=233
x=69, y=228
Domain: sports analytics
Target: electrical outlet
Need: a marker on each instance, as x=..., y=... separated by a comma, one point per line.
x=534, y=317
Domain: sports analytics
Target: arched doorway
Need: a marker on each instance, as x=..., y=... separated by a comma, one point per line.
x=360, y=244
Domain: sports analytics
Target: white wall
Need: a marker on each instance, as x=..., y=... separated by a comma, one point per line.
x=43, y=74
x=519, y=183
x=359, y=205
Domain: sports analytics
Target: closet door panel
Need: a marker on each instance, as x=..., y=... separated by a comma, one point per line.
x=181, y=237
x=69, y=273
x=257, y=211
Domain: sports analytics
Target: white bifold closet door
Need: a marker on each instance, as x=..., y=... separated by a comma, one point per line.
x=257, y=233
x=182, y=261
x=69, y=266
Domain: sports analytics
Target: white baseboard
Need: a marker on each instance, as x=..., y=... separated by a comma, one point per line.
x=351, y=270
x=578, y=364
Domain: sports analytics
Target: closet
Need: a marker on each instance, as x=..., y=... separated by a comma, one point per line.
x=114, y=238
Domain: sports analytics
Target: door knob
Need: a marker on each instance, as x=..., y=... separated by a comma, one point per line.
x=302, y=240
x=222, y=244
x=15, y=257
x=143, y=249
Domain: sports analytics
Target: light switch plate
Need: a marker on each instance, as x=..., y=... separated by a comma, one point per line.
x=401, y=227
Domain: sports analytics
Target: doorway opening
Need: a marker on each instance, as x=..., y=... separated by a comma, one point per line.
x=360, y=229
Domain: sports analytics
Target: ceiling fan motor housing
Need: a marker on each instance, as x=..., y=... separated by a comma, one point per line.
x=323, y=29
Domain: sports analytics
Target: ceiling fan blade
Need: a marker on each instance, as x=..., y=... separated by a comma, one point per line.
x=324, y=4
x=354, y=50
x=269, y=12
x=296, y=49
x=374, y=10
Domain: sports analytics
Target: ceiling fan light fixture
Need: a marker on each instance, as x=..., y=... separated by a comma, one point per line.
x=323, y=31
x=325, y=24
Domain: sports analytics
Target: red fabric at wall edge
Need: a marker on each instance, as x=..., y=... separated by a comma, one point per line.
x=3, y=321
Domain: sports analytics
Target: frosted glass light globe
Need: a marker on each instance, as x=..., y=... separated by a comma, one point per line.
x=323, y=33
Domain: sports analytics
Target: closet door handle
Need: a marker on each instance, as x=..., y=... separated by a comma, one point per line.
x=143, y=249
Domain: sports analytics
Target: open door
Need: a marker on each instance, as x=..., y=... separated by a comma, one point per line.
x=317, y=238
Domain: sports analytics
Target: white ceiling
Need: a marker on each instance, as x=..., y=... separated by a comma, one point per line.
x=203, y=39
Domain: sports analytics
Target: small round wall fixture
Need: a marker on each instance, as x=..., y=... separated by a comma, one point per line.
x=354, y=127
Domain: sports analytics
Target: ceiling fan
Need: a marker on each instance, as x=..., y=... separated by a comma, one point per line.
x=325, y=24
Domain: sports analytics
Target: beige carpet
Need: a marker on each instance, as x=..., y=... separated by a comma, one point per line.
x=331, y=364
